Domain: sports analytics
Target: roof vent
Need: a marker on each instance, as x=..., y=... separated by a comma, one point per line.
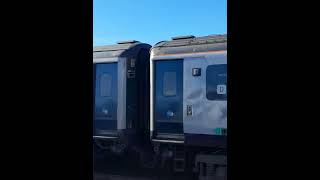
x=183, y=37
x=127, y=42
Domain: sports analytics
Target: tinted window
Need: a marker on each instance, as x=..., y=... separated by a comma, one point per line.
x=105, y=85
x=170, y=83
x=216, y=82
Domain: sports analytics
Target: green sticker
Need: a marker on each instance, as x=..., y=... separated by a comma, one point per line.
x=218, y=131
x=221, y=131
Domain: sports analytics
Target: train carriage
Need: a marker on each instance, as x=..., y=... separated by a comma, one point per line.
x=188, y=102
x=120, y=94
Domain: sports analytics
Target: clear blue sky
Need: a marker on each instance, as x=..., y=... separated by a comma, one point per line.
x=151, y=21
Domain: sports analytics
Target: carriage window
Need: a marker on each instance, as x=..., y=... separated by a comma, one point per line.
x=216, y=82
x=170, y=83
x=105, y=85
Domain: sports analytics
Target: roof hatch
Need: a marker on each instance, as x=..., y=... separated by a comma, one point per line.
x=127, y=42
x=183, y=37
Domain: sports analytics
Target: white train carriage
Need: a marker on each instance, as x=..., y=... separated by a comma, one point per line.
x=188, y=101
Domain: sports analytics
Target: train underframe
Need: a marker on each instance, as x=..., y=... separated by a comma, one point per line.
x=202, y=163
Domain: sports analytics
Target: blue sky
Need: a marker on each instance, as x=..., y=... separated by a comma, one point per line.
x=151, y=21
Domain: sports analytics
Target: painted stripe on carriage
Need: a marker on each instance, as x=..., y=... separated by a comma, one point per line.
x=104, y=137
x=168, y=141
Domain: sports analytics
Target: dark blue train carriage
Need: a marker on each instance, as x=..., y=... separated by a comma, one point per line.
x=121, y=95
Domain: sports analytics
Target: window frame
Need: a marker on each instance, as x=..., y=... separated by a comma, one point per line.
x=217, y=97
x=101, y=85
x=164, y=90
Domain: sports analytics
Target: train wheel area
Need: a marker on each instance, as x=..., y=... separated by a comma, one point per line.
x=127, y=167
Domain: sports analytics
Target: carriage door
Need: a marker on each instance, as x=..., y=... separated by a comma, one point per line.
x=105, y=114
x=168, y=97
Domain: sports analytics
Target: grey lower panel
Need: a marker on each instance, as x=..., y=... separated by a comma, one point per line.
x=104, y=137
x=196, y=140
x=165, y=136
x=128, y=137
x=167, y=141
x=105, y=134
